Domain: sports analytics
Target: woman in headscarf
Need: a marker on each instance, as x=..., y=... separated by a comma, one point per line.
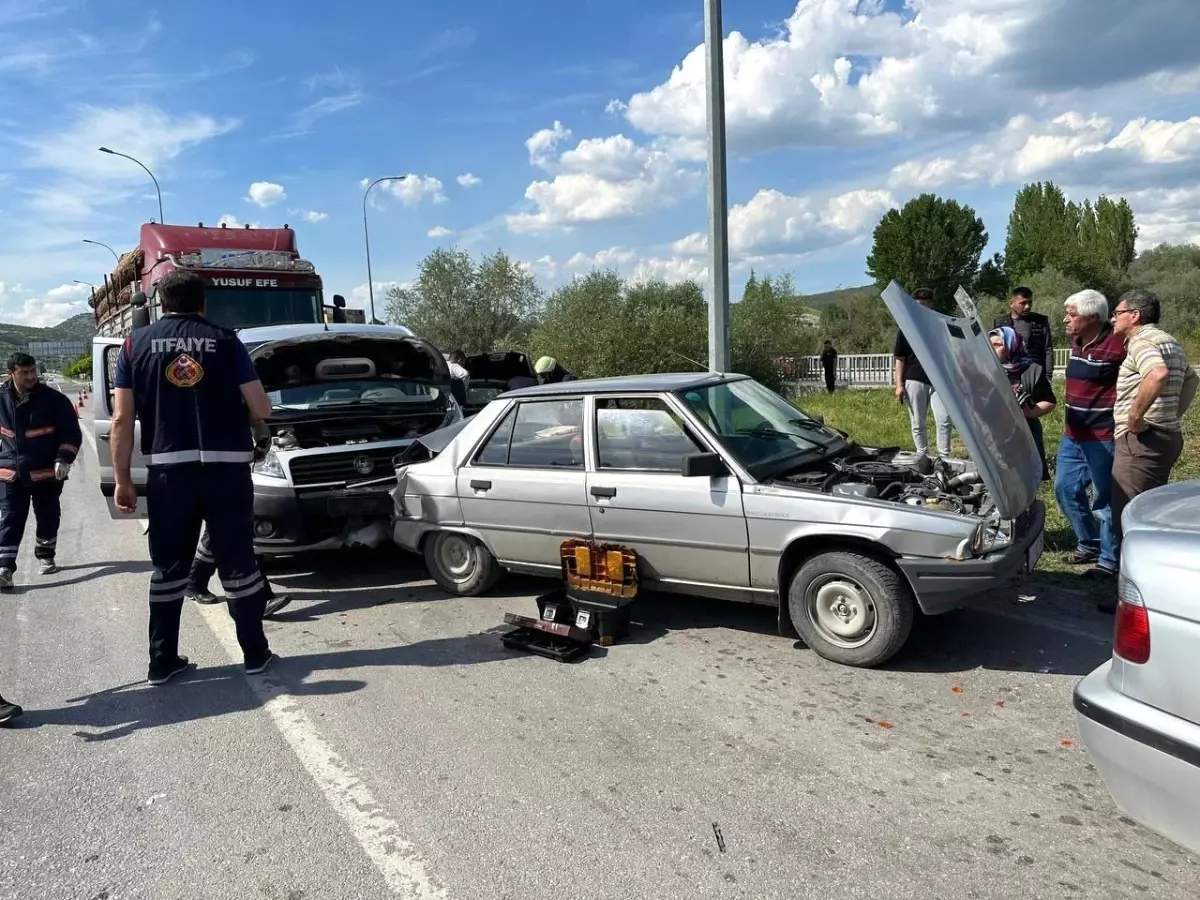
x=1030, y=383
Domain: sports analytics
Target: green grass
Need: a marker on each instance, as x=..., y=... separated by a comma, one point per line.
x=875, y=418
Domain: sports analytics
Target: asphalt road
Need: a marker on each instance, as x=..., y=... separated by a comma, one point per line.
x=398, y=750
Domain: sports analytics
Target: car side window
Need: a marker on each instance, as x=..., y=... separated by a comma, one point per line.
x=538, y=434
x=495, y=451
x=642, y=434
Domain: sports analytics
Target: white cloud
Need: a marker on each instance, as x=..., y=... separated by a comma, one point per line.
x=612, y=258
x=773, y=222
x=21, y=307
x=841, y=72
x=308, y=116
x=544, y=267
x=671, y=269
x=359, y=296
x=415, y=188
x=266, y=193
x=231, y=221
x=1166, y=215
x=468, y=180
x=600, y=179
x=439, y=232
x=1072, y=147
x=308, y=215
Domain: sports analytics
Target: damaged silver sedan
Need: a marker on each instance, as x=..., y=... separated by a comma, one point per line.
x=726, y=490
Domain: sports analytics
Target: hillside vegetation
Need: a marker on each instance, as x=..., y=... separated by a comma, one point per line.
x=14, y=337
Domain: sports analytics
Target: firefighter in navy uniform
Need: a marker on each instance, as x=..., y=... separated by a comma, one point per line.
x=39, y=439
x=194, y=389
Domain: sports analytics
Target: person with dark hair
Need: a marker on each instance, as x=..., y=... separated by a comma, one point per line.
x=460, y=378
x=203, y=414
x=1034, y=328
x=1030, y=384
x=39, y=440
x=1155, y=387
x=829, y=364
x=914, y=390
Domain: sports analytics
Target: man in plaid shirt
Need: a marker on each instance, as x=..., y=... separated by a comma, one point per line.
x=1155, y=387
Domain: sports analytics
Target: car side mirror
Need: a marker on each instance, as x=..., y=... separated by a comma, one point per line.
x=704, y=465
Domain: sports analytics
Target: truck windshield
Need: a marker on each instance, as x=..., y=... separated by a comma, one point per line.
x=248, y=308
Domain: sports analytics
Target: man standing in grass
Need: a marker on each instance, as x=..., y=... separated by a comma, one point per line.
x=829, y=364
x=914, y=390
x=1155, y=387
x=1085, y=455
x=1034, y=328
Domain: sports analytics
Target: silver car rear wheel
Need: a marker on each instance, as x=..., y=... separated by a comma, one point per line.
x=460, y=564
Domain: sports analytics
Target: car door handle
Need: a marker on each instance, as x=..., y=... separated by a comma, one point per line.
x=601, y=492
x=106, y=437
x=481, y=485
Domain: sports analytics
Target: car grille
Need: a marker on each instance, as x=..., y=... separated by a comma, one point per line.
x=325, y=468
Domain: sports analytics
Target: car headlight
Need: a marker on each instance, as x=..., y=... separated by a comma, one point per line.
x=992, y=534
x=454, y=412
x=269, y=466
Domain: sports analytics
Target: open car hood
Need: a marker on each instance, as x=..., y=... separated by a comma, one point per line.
x=317, y=356
x=963, y=369
x=499, y=366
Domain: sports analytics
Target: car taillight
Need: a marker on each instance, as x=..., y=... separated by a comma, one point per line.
x=1131, y=633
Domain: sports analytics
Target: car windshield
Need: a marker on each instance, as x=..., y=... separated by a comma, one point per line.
x=351, y=393
x=758, y=427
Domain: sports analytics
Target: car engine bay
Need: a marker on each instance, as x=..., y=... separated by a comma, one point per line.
x=891, y=475
x=332, y=430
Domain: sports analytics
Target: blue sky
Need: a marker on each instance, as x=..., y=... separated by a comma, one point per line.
x=570, y=135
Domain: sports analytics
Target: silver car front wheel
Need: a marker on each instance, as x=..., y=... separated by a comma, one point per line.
x=460, y=564
x=851, y=608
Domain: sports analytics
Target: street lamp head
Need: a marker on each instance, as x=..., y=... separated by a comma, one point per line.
x=105, y=150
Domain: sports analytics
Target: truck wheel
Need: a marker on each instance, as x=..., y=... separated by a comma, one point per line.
x=460, y=564
x=850, y=608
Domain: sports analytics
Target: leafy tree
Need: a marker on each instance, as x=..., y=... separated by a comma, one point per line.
x=599, y=325
x=1093, y=243
x=457, y=303
x=859, y=323
x=1050, y=288
x=993, y=277
x=770, y=323
x=1173, y=273
x=81, y=369
x=930, y=242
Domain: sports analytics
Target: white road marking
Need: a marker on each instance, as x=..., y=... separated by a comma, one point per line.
x=404, y=870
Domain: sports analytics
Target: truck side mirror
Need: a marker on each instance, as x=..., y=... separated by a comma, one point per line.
x=139, y=314
x=339, y=300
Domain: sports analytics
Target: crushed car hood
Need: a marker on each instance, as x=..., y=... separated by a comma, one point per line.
x=499, y=366
x=963, y=369
x=391, y=354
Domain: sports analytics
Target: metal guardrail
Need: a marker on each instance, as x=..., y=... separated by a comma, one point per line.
x=863, y=369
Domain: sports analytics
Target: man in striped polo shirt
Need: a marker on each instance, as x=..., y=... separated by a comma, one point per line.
x=1155, y=388
x=1085, y=456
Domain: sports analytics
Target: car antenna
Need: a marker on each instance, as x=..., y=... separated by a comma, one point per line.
x=694, y=363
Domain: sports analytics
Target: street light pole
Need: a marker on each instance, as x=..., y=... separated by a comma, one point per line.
x=367, y=239
x=148, y=172
x=88, y=283
x=718, y=200
x=106, y=247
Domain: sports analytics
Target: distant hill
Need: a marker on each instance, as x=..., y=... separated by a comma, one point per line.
x=14, y=337
x=820, y=301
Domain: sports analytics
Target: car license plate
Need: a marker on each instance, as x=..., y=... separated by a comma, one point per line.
x=369, y=505
x=1035, y=550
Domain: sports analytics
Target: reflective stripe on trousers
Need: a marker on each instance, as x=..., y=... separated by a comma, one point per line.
x=200, y=456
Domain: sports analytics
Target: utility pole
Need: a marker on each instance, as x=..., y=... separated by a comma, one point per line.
x=718, y=200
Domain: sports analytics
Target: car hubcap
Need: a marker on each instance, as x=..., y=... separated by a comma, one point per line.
x=457, y=557
x=842, y=611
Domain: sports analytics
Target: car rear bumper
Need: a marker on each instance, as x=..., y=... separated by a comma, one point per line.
x=302, y=520
x=941, y=585
x=1149, y=759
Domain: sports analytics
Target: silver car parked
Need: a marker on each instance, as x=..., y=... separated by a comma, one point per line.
x=725, y=489
x=1139, y=713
